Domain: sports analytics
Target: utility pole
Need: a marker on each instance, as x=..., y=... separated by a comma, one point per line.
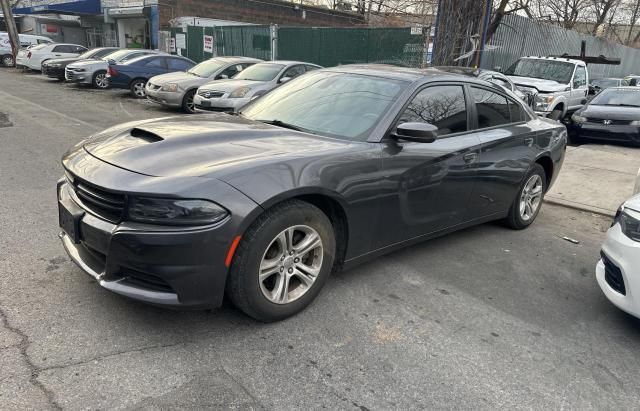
x=12, y=30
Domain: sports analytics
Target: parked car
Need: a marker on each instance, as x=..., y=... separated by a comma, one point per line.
x=230, y=95
x=134, y=74
x=264, y=204
x=94, y=72
x=618, y=271
x=33, y=57
x=492, y=77
x=177, y=89
x=612, y=115
x=602, y=83
x=26, y=40
x=560, y=85
x=54, y=68
x=633, y=80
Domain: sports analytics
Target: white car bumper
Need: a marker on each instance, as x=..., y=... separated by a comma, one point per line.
x=618, y=272
x=23, y=61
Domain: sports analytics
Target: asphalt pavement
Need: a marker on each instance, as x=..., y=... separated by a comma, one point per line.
x=485, y=318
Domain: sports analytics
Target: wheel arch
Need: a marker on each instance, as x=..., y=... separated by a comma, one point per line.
x=547, y=164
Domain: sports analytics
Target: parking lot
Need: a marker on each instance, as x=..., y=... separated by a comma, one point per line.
x=485, y=318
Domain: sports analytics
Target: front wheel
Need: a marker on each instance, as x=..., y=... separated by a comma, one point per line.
x=8, y=61
x=528, y=201
x=282, y=262
x=137, y=88
x=556, y=115
x=100, y=80
x=188, y=105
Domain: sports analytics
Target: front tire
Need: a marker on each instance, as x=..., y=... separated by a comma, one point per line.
x=528, y=201
x=100, y=80
x=8, y=61
x=283, y=260
x=188, y=105
x=137, y=88
x=556, y=115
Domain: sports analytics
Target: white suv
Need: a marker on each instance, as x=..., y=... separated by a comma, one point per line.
x=33, y=57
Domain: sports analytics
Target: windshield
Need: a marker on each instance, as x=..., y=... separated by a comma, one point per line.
x=207, y=68
x=95, y=53
x=558, y=71
x=617, y=97
x=605, y=83
x=333, y=104
x=121, y=54
x=260, y=72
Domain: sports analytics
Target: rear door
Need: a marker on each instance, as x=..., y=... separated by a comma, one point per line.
x=507, y=149
x=427, y=186
x=155, y=65
x=178, y=64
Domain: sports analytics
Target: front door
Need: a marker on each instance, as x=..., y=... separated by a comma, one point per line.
x=579, y=89
x=427, y=186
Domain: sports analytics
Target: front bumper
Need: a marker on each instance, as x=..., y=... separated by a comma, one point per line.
x=612, y=132
x=53, y=72
x=162, y=265
x=164, y=97
x=219, y=104
x=78, y=76
x=623, y=255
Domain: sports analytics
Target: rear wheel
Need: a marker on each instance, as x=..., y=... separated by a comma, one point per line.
x=528, y=201
x=7, y=60
x=100, y=80
x=137, y=88
x=282, y=262
x=187, y=102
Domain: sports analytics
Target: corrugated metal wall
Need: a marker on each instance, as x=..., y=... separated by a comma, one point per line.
x=518, y=36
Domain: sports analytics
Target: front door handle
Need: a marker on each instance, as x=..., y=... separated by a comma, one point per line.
x=528, y=141
x=470, y=158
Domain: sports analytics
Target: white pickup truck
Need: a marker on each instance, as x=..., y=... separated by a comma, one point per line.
x=560, y=85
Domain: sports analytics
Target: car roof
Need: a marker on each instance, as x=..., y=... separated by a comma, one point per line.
x=634, y=88
x=465, y=71
x=396, y=72
x=291, y=62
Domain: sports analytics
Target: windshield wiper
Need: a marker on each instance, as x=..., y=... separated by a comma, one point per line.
x=282, y=124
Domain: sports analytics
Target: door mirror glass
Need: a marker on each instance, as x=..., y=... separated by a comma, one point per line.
x=223, y=77
x=419, y=132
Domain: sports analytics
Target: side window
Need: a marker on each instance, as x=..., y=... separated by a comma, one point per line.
x=79, y=49
x=441, y=106
x=230, y=71
x=310, y=68
x=501, y=82
x=293, y=72
x=624, y=83
x=580, y=78
x=517, y=112
x=492, y=108
x=155, y=62
x=132, y=56
x=179, y=64
x=43, y=41
x=62, y=49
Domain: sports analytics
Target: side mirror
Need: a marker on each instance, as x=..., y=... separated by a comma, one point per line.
x=285, y=79
x=418, y=132
x=223, y=77
x=111, y=62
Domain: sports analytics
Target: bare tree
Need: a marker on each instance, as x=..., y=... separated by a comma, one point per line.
x=503, y=8
x=602, y=9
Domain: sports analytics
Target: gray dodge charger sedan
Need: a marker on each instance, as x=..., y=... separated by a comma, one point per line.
x=178, y=89
x=329, y=170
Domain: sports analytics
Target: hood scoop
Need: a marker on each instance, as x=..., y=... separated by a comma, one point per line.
x=145, y=135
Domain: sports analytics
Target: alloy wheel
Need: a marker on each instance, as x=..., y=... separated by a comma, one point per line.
x=191, y=107
x=102, y=81
x=138, y=89
x=291, y=264
x=531, y=197
x=7, y=61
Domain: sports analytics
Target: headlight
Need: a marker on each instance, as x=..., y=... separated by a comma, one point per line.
x=240, y=92
x=171, y=87
x=578, y=118
x=175, y=211
x=543, y=101
x=635, y=123
x=630, y=225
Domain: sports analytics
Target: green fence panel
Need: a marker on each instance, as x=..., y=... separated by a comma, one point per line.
x=195, y=43
x=248, y=41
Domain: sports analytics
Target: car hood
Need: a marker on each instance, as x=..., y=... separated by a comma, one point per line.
x=201, y=146
x=230, y=85
x=543, y=86
x=611, y=112
x=633, y=203
x=181, y=78
x=62, y=61
x=89, y=62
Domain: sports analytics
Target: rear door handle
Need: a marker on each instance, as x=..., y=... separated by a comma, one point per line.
x=470, y=158
x=528, y=141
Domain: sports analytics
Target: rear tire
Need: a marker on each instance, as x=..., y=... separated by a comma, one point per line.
x=528, y=201
x=283, y=260
x=137, y=88
x=100, y=80
x=187, y=102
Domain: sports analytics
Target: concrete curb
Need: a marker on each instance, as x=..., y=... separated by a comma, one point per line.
x=579, y=206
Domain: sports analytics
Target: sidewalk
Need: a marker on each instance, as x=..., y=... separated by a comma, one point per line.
x=596, y=178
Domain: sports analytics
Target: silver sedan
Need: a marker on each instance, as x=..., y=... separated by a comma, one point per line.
x=177, y=89
x=231, y=95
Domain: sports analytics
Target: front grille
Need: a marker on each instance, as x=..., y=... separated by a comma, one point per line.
x=146, y=281
x=211, y=94
x=596, y=120
x=613, y=275
x=154, y=87
x=103, y=203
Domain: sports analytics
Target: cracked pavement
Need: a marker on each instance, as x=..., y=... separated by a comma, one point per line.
x=482, y=319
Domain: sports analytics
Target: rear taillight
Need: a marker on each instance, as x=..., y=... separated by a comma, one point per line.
x=112, y=72
x=29, y=55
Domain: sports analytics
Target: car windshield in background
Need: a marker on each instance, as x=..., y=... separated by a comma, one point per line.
x=605, y=83
x=617, y=97
x=39, y=46
x=332, y=104
x=96, y=53
x=118, y=55
x=260, y=72
x=207, y=68
x=558, y=71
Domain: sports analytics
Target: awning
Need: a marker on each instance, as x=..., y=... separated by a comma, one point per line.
x=91, y=7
